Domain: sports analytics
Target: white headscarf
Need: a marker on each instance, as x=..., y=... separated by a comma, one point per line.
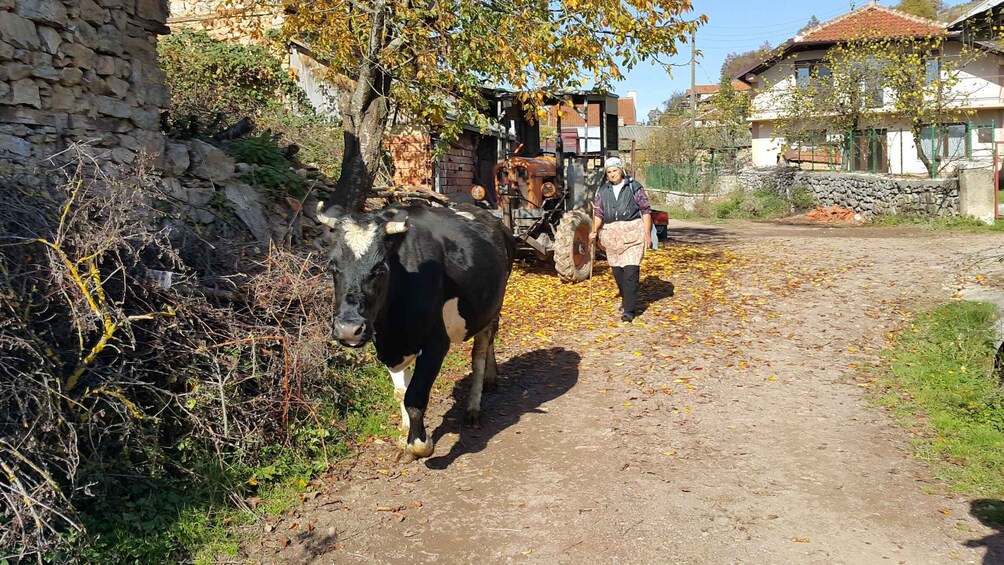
x=614, y=162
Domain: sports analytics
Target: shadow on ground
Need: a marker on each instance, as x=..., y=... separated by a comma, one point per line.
x=653, y=289
x=525, y=383
x=698, y=235
x=991, y=513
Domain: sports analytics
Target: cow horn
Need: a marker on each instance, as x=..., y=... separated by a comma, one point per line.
x=396, y=227
x=398, y=223
x=329, y=221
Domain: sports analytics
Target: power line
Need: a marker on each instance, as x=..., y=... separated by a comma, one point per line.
x=782, y=24
x=705, y=71
x=746, y=37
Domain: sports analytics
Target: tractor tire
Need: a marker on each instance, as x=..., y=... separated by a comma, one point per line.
x=572, y=257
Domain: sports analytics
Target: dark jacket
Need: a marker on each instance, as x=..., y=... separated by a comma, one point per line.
x=630, y=205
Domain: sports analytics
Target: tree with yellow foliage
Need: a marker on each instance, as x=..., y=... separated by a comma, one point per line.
x=433, y=58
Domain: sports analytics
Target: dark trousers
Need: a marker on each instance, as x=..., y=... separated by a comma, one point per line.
x=627, y=282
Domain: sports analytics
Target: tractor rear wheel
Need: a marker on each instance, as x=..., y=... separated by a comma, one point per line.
x=572, y=257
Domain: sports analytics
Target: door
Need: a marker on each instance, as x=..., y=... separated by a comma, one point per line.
x=871, y=151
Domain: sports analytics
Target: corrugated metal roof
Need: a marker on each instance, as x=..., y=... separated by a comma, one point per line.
x=976, y=10
x=636, y=133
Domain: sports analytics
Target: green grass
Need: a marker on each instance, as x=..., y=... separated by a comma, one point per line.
x=175, y=519
x=681, y=213
x=941, y=380
x=956, y=223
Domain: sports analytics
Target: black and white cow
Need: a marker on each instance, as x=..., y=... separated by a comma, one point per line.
x=415, y=280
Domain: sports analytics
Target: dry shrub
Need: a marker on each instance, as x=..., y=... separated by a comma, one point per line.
x=106, y=371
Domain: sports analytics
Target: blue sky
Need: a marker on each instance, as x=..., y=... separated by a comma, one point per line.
x=733, y=25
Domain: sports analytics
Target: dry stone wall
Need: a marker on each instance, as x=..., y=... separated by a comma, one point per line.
x=865, y=193
x=80, y=71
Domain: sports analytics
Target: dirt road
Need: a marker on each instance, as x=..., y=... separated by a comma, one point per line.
x=746, y=439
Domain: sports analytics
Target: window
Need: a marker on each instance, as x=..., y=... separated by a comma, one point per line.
x=806, y=72
x=932, y=71
x=869, y=74
x=874, y=94
x=945, y=142
x=985, y=134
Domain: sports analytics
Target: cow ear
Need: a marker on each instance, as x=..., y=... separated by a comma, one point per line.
x=397, y=221
x=330, y=216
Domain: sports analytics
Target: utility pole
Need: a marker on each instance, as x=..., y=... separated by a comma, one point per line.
x=693, y=75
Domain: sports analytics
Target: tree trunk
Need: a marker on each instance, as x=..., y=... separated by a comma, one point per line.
x=929, y=164
x=364, y=118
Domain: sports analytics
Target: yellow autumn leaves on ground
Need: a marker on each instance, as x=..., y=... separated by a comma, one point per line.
x=695, y=278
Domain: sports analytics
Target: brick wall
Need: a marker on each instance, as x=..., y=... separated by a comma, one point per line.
x=412, y=157
x=456, y=167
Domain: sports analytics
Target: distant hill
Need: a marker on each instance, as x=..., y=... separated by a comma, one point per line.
x=951, y=13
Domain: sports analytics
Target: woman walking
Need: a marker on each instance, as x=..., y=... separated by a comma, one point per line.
x=621, y=208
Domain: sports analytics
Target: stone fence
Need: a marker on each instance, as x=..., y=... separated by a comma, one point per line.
x=868, y=194
x=80, y=71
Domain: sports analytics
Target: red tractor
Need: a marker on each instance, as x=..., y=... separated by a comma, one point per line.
x=546, y=198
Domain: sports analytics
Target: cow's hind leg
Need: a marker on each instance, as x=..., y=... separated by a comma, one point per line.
x=482, y=362
x=491, y=366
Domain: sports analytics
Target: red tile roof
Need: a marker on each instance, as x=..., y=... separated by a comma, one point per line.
x=713, y=88
x=868, y=21
x=871, y=20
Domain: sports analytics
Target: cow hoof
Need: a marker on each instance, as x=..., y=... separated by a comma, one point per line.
x=473, y=418
x=422, y=448
x=402, y=441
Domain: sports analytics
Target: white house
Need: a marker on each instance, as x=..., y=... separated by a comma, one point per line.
x=890, y=146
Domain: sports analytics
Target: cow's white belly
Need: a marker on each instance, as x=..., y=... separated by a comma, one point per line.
x=456, y=326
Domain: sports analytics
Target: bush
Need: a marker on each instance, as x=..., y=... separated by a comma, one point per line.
x=215, y=83
x=270, y=169
x=761, y=204
x=802, y=200
x=129, y=412
x=320, y=140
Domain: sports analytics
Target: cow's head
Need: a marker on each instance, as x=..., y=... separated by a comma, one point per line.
x=360, y=246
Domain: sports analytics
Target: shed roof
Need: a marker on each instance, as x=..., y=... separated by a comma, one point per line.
x=975, y=11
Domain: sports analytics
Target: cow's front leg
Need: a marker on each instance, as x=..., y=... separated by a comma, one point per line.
x=416, y=398
x=401, y=376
